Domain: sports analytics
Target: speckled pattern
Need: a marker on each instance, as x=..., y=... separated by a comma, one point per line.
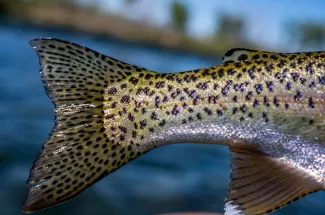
x=109, y=112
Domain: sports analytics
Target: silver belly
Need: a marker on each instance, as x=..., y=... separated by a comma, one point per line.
x=305, y=155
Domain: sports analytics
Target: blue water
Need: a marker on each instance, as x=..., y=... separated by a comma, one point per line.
x=188, y=177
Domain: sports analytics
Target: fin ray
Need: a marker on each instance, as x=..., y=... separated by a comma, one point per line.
x=263, y=184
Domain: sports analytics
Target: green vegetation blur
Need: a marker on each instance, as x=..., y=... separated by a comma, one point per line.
x=228, y=33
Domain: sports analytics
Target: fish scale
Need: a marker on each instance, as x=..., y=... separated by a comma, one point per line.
x=244, y=96
x=267, y=107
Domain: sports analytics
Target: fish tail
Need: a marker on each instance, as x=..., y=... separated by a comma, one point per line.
x=80, y=150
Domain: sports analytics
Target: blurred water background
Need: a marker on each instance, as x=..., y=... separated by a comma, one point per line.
x=166, y=36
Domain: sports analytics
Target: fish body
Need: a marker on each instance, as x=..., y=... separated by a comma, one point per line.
x=267, y=107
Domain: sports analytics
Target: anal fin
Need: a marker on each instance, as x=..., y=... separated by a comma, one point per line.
x=261, y=184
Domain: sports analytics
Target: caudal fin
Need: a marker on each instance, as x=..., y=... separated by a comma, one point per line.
x=80, y=150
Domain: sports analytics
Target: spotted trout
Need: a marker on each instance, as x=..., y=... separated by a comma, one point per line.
x=268, y=108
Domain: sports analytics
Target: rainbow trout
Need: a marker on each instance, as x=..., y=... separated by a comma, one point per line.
x=267, y=107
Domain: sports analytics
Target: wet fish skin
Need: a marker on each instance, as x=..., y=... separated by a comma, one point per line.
x=267, y=107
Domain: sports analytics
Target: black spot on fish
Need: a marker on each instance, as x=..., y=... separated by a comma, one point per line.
x=251, y=74
x=234, y=98
x=208, y=111
x=214, y=75
x=321, y=80
x=292, y=57
x=120, y=66
x=206, y=72
x=157, y=101
x=148, y=76
x=231, y=71
x=295, y=76
x=133, y=80
x=298, y=95
x=187, y=78
x=243, y=108
x=239, y=76
x=165, y=99
x=112, y=90
x=310, y=69
x=270, y=68
x=258, y=88
x=160, y=84
x=123, y=129
x=274, y=57
x=176, y=110
x=131, y=117
x=114, y=105
x=281, y=64
x=266, y=101
x=194, y=78
x=256, y=103
x=242, y=57
x=270, y=85
x=144, y=110
x=303, y=81
x=312, y=84
x=311, y=103
x=264, y=114
x=256, y=57
x=289, y=86
x=293, y=65
x=276, y=101
x=192, y=94
x=286, y=105
x=212, y=99
x=221, y=72
x=125, y=99
x=219, y=112
x=143, y=124
x=234, y=110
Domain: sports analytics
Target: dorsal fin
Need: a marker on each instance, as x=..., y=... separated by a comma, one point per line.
x=261, y=184
x=242, y=54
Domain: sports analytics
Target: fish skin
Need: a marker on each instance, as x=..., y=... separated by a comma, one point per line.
x=275, y=102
